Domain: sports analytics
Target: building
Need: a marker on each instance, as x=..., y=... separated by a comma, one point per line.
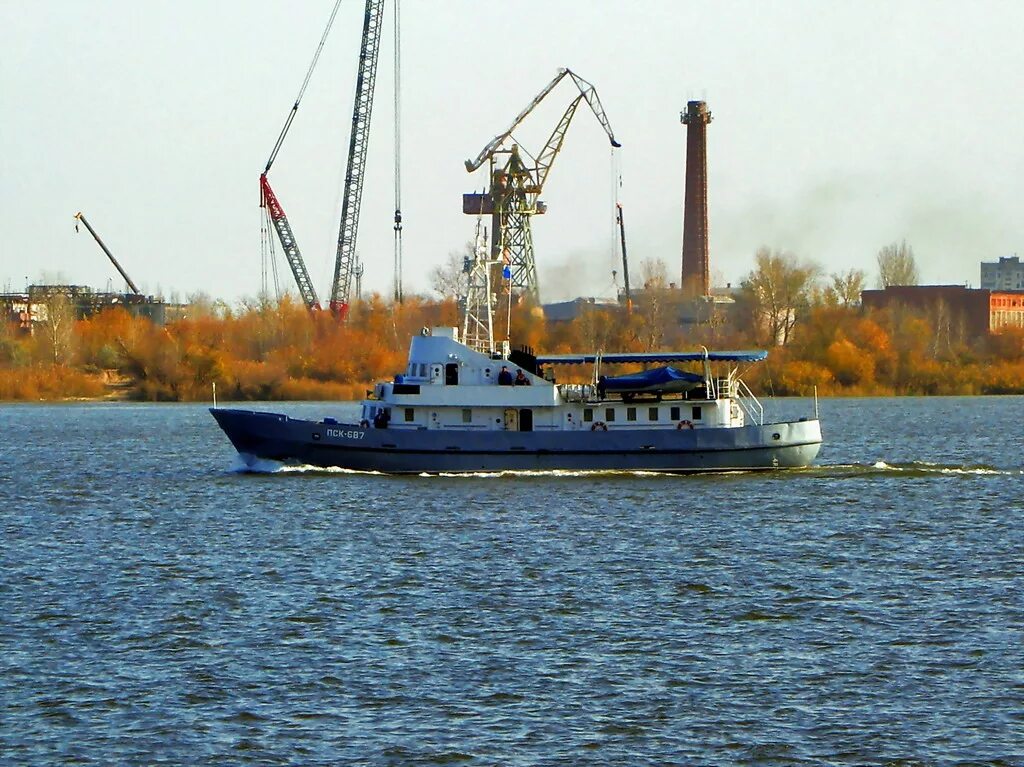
x=567, y=311
x=972, y=312
x=1006, y=309
x=29, y=308
x=1005, y=274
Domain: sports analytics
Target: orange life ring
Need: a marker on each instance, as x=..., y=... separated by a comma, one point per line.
x=685, y=425
x=599, y=426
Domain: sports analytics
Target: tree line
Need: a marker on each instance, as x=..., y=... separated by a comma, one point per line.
x=819, y=336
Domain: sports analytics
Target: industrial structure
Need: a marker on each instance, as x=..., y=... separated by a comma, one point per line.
x=272, y=207
x=477, y=305
x=31, y=307
x=352, y=196
x=516, y=177
x=348, y=269
x=695, y=278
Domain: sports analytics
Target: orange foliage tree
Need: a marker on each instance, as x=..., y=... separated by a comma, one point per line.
x=279, y=350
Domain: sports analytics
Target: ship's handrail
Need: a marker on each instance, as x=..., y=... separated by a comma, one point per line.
x=749, y=402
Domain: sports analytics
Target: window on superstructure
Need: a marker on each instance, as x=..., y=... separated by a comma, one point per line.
x=652, y=414
x=696, y=412
x=588, y=414
x=675, y=414
x=410, y=414
x=467, y=415
x=609, y=414
x=630, y=413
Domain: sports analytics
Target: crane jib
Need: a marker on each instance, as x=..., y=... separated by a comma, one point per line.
x=362, y=110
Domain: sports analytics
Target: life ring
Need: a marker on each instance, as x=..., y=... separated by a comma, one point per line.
x=684, y=425
x=365, y=424
x=599, y=426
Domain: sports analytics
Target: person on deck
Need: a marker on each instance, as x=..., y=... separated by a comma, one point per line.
x=504, y=377
x=522, y=380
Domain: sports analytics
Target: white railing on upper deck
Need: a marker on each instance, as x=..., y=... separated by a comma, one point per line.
x=751, y=405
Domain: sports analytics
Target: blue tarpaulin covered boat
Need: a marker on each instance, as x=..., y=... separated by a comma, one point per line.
x=663, y=379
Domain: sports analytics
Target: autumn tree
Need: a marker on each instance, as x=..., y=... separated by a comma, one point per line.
x=60, y=319
x=845, y=288
x=653, y=274
x=775, y=292
x=450, y=279
x=896, y=265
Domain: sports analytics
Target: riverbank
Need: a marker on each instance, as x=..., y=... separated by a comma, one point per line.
x=61, y=384
x=281, y=352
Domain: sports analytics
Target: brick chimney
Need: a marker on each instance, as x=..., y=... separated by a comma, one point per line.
x=696, y=280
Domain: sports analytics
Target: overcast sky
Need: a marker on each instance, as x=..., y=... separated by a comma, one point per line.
x=838, y=127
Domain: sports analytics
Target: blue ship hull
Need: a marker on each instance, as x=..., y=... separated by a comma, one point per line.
x=278, y=437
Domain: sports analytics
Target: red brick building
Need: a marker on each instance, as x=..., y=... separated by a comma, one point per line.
x=975, y=312
x=1006, y=308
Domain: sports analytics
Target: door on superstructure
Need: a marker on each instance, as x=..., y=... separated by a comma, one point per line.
x=511, y=419
x=525, y=420
x=451, y=374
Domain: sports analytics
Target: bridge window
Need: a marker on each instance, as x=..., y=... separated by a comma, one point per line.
x=675, y=414
x=588, y=414
x=630, y=413
x=410, y=414
x=652, y=414
x=609, y=414
x=696, y=412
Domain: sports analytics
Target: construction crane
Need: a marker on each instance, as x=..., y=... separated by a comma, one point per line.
x=272, y=206
x=269, y=201
x=516, y=185
x=124, y=274
x=362, y=109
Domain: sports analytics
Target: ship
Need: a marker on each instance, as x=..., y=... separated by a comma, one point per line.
x=459, y=410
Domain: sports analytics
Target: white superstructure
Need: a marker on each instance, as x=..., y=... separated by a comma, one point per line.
x=449, y=386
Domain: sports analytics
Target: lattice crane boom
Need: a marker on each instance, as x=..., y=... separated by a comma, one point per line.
x=587, y=91
x=114, y=261
x=516, y=185
x=288, y=244
x=269, y=201
x=362, y=110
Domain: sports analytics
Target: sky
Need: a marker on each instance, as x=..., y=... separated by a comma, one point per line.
x=839, y=127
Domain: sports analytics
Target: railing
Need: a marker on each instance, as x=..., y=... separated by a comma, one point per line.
x=751, y=405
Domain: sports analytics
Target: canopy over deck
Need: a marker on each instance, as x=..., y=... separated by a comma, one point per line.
x=640, y=358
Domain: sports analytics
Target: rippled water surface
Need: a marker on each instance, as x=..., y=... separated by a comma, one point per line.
x=161, y=607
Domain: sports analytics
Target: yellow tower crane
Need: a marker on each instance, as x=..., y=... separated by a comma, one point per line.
x=516, y=183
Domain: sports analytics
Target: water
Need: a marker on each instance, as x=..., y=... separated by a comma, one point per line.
x=157, y=606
